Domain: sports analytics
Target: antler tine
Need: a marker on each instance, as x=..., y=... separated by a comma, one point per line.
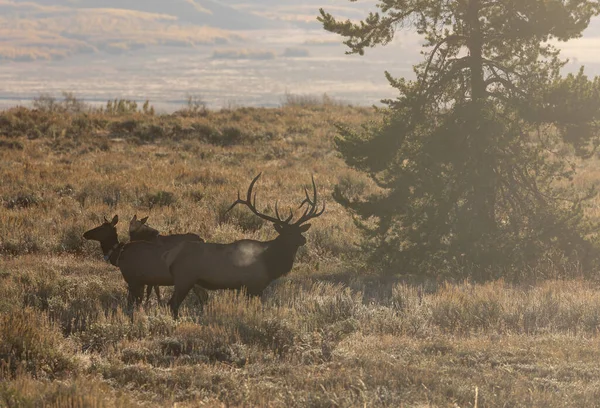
x=303, y=215
x=236, y=202
x=306, y=200
x=289, y=218
x=322, y=210
x=252, y=183
x=312, y=176
x=312, y=202
x=277, y=210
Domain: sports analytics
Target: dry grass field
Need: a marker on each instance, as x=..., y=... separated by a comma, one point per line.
x=333, y=333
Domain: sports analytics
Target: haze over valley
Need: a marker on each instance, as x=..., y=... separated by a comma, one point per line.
x=228, y=52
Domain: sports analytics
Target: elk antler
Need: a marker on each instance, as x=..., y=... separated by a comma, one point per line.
x=310, y=212
x=250, y=202
x=311, y=209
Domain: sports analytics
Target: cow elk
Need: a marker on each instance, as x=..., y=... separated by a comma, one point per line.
x=248, y=264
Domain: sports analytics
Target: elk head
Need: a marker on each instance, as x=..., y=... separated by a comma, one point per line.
x=290, y=232
x=105, y=232
x=139, y=229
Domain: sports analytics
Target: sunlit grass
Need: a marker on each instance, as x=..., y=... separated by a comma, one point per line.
x=331, y=333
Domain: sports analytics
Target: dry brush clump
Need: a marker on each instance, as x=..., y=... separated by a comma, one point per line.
x=569, y=307
x=79, y=392
x=31, y=342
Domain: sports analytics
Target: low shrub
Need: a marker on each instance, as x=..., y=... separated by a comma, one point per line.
x=72, y=239
x=158, y=199
x=28, y=340
x=22, y=200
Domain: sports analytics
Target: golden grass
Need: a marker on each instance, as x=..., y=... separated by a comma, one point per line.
x=331, y=333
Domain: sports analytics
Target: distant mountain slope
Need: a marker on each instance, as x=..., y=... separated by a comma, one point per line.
x=199, y=12
x=51, y=29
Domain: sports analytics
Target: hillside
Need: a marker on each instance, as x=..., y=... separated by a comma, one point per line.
x=198, y=12
x=334, y=332
x=58, y=29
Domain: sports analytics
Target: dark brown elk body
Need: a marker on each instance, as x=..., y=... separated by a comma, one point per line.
x=248, y=264
x=140, y=262
x=140, y=231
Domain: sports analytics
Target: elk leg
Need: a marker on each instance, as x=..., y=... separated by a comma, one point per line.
x=139, y=295
x=250, y=293
x=130, y=298
x=135, y=295
x=201, y=293
x=181, y=290
x=148, y=293
x=157, y=291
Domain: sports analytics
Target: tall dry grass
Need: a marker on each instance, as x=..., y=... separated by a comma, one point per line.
x=332, y=333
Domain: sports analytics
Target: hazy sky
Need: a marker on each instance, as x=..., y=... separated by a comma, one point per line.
x=227, y=52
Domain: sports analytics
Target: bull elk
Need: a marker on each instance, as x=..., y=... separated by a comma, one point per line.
x=141, y=262
x=140, y=231
x=247, y=263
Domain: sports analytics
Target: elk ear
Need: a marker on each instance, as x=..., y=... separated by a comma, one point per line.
x=304, y=228
x=115, y=220
x=278, y=228
x=134, y=218
x=143, y=220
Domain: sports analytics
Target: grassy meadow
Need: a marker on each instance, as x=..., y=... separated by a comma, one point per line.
x=333, y=333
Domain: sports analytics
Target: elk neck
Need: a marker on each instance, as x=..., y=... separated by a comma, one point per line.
x=279, y=257
x=111, y=249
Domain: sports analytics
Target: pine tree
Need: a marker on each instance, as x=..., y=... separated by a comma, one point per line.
x=470, y=156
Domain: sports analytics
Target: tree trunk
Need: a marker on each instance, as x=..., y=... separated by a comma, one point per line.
x=475, y=45
x=484, y=189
